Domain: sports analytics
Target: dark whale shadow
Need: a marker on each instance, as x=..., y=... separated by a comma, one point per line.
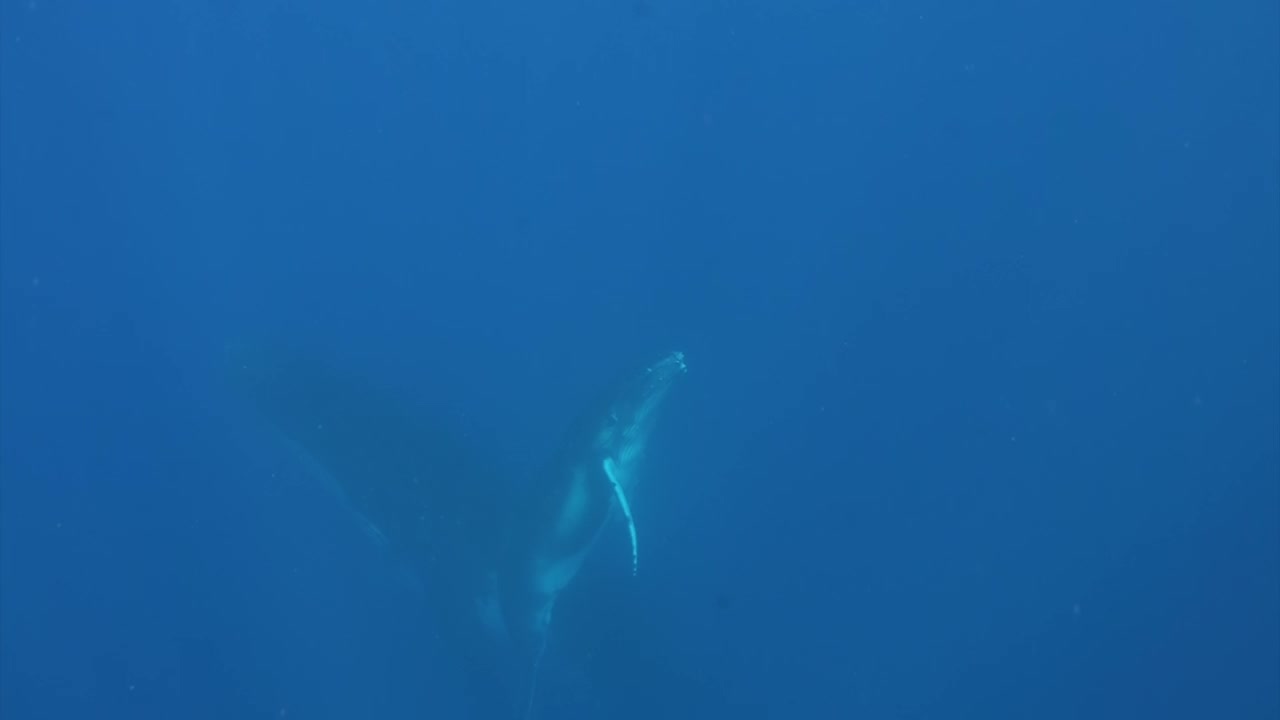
x=444, y=510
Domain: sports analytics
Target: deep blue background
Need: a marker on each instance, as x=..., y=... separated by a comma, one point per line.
x=981, y=303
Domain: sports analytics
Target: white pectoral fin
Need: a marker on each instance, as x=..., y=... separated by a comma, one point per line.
x=610, y=471
x=373, y=531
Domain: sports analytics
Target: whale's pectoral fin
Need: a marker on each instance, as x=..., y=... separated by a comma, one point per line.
x=610, y=471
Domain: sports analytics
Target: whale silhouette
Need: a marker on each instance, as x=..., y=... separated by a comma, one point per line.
x=496, y=556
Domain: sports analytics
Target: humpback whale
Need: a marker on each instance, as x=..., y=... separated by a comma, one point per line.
x=566, y=508
x=495, y=556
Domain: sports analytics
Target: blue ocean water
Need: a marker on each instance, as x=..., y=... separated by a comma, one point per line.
x=980, y=302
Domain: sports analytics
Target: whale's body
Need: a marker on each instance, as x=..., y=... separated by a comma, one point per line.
x=564, y=511
x=495, y=556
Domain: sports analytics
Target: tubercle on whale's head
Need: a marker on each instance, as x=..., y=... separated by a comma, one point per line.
x=634, y=408
x=673, y=362
x=660, y=375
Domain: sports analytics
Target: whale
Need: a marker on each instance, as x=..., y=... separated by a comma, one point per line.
x=496, y=556
x=564, y=511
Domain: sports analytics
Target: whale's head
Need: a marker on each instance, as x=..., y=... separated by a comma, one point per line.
x=633, y=409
